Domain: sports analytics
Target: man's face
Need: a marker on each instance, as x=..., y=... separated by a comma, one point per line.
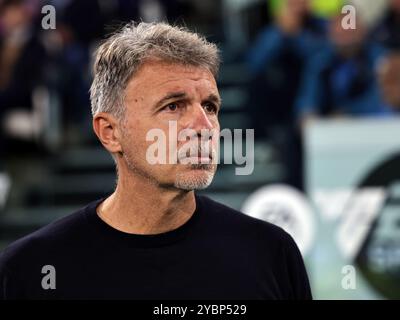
x=163, y=94
x=13, y=16
x=389, y=80
x=346, y=38
x=297, y=7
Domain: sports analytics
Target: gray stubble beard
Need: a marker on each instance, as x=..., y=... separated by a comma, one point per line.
x=186, y=181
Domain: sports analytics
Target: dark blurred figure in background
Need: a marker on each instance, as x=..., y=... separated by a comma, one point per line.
x=388, y=30
x=22, y=58
x=341, y=79
x=276, y=62
x=75, y=33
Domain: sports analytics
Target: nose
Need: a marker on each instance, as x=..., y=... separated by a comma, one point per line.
x=198, y=119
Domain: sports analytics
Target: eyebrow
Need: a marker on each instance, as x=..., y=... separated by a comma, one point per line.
x=170, y=96
x=182, y=95
x=215, y=98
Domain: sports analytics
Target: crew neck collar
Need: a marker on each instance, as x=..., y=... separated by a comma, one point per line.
x=140, y=240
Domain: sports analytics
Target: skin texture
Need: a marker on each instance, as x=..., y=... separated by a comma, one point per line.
x=156, y=198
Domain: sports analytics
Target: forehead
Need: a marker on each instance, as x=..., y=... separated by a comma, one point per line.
x=156, y=77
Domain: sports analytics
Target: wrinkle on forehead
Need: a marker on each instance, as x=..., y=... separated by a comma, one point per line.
x=156, y=69
x=153, y=75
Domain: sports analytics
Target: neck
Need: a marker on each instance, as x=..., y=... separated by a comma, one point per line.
x=140, y=207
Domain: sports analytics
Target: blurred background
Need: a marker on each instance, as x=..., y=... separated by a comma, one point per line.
x=318, y=81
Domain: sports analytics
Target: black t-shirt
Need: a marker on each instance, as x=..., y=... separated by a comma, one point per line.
x=219, y=253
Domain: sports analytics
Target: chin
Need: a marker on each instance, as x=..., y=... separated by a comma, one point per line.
x=195, y=179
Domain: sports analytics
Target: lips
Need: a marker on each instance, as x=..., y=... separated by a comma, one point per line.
x=197, y=158
x=195, y=151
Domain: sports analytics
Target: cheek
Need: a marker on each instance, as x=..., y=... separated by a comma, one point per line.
x=135, y=135
x=217, y=124
x=215, y=142
x=215, y=138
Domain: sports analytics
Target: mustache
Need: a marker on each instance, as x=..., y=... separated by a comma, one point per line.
x=194, y=151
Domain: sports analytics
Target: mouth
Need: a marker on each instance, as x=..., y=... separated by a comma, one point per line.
x=199, y=159
x=196, y=158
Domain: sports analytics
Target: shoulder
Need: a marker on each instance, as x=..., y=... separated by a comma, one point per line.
x=268, y=241
x=61, y=231
x=269, y=246
x=229, y=219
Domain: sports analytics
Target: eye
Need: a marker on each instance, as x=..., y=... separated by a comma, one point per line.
x=171, y=107
x=211, y=108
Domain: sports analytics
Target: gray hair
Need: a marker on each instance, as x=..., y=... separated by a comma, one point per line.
x=121, y=55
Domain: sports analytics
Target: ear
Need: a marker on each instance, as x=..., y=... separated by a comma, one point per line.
x=107, y=129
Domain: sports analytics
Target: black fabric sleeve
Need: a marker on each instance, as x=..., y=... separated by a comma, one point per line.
x=298, y=278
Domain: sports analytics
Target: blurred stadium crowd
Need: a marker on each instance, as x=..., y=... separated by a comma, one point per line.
x=285, y=62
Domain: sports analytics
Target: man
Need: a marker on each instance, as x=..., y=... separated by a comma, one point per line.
x=153, y=238
x=389, y=81
x=340, y=80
